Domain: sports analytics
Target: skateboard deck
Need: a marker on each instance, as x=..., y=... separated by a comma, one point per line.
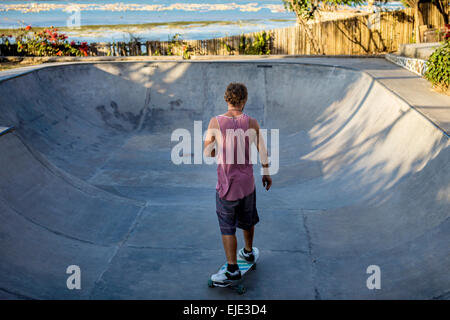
x=4, y=130
x=244, y=266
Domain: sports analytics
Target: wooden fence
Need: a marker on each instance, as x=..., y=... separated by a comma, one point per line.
x=359, y=35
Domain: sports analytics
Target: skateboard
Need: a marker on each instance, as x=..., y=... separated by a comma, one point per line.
x=244, y=266
x=5, y=130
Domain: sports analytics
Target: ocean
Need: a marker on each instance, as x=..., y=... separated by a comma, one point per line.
x=109, y=20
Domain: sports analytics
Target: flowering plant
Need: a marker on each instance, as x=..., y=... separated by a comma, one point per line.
x=447, y=32
x=47, y=42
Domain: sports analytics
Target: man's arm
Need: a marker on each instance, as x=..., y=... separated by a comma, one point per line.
x=209, y=148
x=263, y=155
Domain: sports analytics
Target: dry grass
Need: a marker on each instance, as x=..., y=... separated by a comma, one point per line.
x=8, y=65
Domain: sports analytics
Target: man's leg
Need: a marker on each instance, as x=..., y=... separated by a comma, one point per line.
x=230, y=246
x=232, y=271
x=248, y=237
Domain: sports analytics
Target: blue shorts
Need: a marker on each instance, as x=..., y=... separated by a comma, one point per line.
x=240, y=213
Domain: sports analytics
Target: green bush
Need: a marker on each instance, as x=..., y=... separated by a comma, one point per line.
x=7, y=47
x=230, y=49
x=438, y=67
x=259, y=45
x=177, y=45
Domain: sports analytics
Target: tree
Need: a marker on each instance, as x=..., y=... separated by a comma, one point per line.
x=418, y=17
x=307, y=10
x=441, y=6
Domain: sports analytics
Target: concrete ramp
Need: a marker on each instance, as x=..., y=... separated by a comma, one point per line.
x=87, y=179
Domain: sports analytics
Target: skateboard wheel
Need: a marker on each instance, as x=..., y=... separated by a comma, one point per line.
x=210, y=283
x=240, y=289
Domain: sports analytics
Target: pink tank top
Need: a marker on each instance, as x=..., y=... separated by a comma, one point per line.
x=234, y=178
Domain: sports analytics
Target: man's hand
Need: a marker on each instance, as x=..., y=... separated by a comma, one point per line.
x=267, y=181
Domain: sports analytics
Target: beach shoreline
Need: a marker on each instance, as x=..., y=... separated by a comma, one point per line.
x=159, y=31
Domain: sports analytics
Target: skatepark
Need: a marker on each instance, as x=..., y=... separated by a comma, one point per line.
x=86, y=179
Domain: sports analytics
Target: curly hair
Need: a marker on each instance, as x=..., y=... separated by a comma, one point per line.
x=236, y=93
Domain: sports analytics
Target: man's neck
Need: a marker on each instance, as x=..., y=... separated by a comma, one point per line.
x=233, y=111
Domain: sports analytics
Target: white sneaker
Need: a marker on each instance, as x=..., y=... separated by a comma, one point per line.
x=249, y=257
x=224, y=275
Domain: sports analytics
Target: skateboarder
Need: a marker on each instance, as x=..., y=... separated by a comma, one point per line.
x=229, y=137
